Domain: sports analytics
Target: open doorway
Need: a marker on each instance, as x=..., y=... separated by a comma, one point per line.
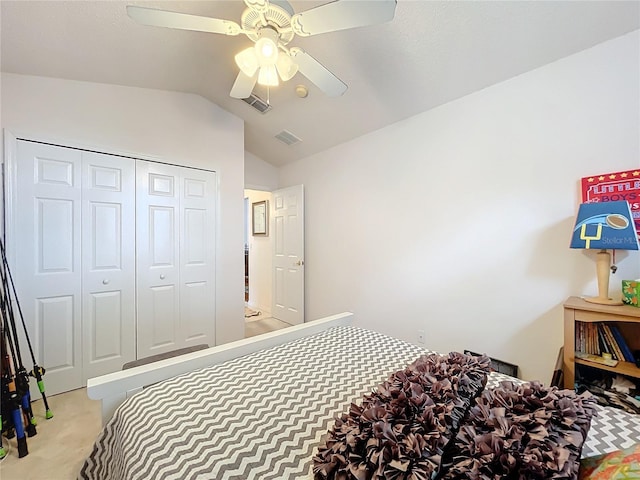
x=258, y=260
x=258, y=257
x=274, y=254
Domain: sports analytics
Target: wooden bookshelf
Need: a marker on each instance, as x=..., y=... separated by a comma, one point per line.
x=627, y=319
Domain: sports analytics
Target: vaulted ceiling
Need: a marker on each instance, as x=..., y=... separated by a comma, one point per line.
x=431, y=53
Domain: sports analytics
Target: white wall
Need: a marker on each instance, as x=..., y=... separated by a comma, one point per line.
x=457, y=221
x=258, y=174
x=167, y=126
x=260, y=259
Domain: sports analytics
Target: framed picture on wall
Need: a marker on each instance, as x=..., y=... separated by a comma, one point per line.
x=260, y=218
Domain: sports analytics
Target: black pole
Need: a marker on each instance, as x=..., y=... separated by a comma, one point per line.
x=22, y=377
x=7, y=315
x=6, y=275
x=37, y=372
x=13, y=401
x=17, y=422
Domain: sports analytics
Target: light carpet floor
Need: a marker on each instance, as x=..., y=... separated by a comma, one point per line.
x=61, y=443
x=253, y=326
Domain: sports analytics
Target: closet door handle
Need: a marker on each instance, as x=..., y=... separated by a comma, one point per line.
x=105, y=281
x=162, y=277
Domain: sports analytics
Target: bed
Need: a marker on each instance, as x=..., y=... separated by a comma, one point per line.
x=260, y=408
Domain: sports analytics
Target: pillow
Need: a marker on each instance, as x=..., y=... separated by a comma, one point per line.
x=618, y=465
x=524, y=431
x=401, y=429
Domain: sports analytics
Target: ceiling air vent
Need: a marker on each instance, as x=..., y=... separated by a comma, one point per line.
x=257, y=103
x=288, y=137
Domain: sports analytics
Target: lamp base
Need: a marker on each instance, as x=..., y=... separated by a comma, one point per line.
x=602, y=300
x=603, y=267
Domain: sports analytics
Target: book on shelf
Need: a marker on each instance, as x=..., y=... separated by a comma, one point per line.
x=604, y=345
x=597, y=359
x=596, y=338
x=617, y=351
x=579, y=337
x=587, y=338
x=595, y=344
x=608, y=339
x=626, y=351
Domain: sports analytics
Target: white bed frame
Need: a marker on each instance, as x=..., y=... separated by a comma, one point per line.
x=114, y=388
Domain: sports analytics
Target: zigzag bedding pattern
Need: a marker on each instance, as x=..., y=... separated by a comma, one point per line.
x=263, y=415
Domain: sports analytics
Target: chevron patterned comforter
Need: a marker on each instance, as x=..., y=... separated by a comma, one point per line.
x=262, y=416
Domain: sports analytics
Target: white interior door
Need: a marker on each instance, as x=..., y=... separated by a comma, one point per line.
x=287, y=220
x=108, y=263
x=158, y=268
x=176, y=248
x=197, y=254
x=46, y=243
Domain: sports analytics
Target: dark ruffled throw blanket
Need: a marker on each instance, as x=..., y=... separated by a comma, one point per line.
x=400, y=430
x=433, y=420
x=525, y=432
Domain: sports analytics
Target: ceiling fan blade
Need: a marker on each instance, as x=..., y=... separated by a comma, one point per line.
x=259, y=6
x=342, y=14
x=183, y=21
x=243, y=86
x=326, y=81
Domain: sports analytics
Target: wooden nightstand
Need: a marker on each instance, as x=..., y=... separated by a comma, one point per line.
x=627, y=319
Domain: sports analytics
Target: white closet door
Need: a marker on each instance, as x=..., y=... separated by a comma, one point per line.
x=46, y=244
x=175, y=251
x=158, y=270
x=108, y=263
x=197, y=241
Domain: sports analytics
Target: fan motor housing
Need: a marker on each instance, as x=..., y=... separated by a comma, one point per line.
x=277, y=18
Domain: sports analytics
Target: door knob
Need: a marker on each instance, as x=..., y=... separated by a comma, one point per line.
x=162, y=277
x=105, y=281
x=300, y=263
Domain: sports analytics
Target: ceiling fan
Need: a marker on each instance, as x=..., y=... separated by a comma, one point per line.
x=272, y=25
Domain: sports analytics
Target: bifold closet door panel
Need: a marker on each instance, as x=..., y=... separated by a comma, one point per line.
x=108, y=263
x=158, y=267
x=114, y=258
x=46, y=243
x=175, y=250
x=197, y=255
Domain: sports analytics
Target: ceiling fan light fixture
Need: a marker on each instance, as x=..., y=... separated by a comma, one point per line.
x=266, y=48
x=247, y=61
x=286, y=67
x=271, y=25
x=268, y=76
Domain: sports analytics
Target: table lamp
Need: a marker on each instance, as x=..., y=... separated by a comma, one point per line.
x=605, y=226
